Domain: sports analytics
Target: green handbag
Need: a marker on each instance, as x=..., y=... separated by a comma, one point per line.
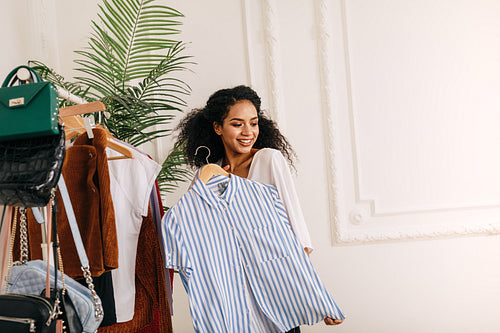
x=27, y=110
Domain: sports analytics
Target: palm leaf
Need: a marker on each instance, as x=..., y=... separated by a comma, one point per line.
x=171, y=173
x=130, y=64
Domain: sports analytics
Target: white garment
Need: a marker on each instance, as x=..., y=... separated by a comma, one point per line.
x=131, y=182
x=270, y=167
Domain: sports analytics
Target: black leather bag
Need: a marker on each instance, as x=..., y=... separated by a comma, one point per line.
x=27, y=313
x=31, y=141
x=70, y=315
x=30, y=169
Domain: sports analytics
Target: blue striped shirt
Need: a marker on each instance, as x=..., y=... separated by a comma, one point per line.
x=241, y=265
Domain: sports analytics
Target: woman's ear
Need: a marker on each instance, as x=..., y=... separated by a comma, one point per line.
x=217, y=128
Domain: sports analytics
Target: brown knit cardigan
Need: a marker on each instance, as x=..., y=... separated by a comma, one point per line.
x=85, y=171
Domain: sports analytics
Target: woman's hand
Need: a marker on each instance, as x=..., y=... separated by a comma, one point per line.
x=331, y=321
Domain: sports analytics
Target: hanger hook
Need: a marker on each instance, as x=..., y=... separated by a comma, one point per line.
x=196, y=152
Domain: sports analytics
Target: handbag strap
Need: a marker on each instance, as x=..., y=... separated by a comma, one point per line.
x=84, y=261
x=13, y=226
x=37, y=214
x=49, y=239
x=56, y=250
x=8, y=80
x=52, y=231
x=55, y=243
x=75, y=231
x=5, y=229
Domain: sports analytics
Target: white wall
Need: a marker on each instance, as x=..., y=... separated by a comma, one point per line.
x=392, y=110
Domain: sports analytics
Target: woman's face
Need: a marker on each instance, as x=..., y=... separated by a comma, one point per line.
x=240, y=128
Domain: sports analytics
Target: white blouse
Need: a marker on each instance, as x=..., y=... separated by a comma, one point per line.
x=270, y=167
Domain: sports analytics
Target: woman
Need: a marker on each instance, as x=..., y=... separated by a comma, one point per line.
x=246, y=143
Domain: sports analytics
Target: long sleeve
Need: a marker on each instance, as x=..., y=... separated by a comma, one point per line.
x=270, y=167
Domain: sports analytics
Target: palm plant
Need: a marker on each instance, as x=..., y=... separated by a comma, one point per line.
x=129, y=65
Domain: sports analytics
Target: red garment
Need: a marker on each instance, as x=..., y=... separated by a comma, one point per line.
x=162, y=212
x=154, y=327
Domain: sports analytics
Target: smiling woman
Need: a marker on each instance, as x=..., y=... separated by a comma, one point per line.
x=249, y=145
x=238, y=132
x=227, y=109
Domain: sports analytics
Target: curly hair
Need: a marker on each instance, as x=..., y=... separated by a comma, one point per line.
x=196, y=128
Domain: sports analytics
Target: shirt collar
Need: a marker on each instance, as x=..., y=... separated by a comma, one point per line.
x=212, y=198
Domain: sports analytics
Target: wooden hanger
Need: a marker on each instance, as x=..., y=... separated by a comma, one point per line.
x=82, y=109
x=210, y=170
x=74, y=126
x=124, y=151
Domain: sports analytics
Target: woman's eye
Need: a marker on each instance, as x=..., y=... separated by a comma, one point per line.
x=237, y=125
x=255, y=124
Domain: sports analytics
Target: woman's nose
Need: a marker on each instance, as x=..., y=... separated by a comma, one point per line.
x=246, y=130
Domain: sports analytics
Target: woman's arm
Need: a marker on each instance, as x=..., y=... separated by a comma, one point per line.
x=270, y=167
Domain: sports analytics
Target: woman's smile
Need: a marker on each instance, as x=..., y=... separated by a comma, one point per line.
x=246, y=142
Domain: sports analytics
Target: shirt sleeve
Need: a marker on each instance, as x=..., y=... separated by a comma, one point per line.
x=271, y=168
x=176, y=254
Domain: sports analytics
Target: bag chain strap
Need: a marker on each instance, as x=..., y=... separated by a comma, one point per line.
x=99, y=313
x=56, y=241
x=11, y=249
x=23, y=230
x=61, y=268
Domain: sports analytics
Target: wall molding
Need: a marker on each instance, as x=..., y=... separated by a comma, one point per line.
x=361, y=223
x=44, y=43
x=417, y=233
x=247, y=35
x=327, y=88
x=275, y=77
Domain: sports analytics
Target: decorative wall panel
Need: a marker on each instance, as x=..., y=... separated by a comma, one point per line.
x=411, y=115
